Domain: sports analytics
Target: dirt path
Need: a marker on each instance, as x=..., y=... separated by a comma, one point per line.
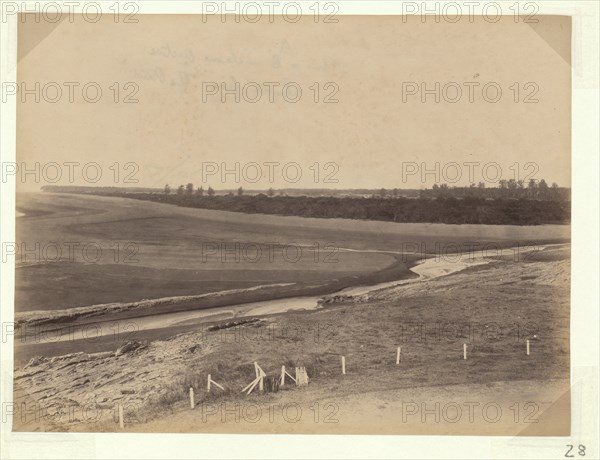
x=509, y=408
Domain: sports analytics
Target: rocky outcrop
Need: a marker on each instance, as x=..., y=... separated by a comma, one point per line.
x=230, y=324
x=128, y=348
x=340, y=298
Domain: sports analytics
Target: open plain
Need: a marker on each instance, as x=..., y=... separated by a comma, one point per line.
x=142, y=333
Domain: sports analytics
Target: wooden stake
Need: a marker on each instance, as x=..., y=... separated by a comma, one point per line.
x=208, y=383
x=260, y=374
x=216, y=384
x=398, y=355
x=290, y=376
x=343, y=365
x=192, y=402
x=527, y=347
x=254, y=382
x=121, y=421
x=253, y=385
x=464, y=351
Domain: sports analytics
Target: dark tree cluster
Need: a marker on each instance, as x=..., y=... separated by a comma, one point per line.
x=511, y=203
x=448, y=210
x=512, y=189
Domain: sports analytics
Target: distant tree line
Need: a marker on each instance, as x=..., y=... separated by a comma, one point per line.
x=514, y=189
x=533, y=190
x=448, y=210
x=510, y=203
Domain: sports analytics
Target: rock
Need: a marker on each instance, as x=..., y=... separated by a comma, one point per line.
x=335, y=299
x=68, y=357
x=193, y=349
x=101, y=355
x=128, y=347
x=35, y=361
x=230, y=324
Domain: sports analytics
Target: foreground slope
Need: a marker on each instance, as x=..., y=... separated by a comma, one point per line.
x=494, y=308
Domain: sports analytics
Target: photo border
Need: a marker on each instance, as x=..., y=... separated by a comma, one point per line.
x=584, y=332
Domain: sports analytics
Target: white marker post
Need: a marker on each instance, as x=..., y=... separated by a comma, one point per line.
x=260, y=375
x=208, y=384
x=398, y=355
x=343, y=365
x=464, y=351
x=121, y=421
x=192, y=402
x=527, y=347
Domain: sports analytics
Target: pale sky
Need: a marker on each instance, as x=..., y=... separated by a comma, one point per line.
x=364, y=140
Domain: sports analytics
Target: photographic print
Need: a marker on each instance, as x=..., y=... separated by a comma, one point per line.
x=294, y=223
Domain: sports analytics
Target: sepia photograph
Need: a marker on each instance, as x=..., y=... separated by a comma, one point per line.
x=273, y=218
